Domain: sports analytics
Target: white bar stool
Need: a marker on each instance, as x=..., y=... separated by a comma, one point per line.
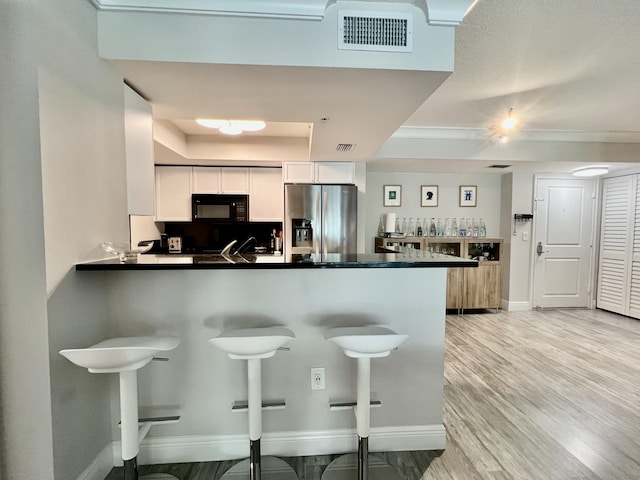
x=253, y=345
x=125, y=356
x=363, y=344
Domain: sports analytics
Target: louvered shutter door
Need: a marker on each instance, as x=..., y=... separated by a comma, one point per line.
x=618, y=210
x=634, y=284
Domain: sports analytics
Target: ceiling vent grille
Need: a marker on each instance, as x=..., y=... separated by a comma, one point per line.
x=380, y=32
x=344, y=147
x=498, y=166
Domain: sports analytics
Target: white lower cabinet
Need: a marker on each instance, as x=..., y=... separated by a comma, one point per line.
x=619, y=262
x=173, y=194
x=266, y=197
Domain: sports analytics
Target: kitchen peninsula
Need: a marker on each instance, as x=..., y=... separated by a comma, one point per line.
x=309, y=294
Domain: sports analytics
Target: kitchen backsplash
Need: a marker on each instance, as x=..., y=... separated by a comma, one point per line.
x=203, y=237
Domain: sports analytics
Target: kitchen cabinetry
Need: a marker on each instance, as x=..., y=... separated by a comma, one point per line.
x=619, y=262
x=467, y=288
x=173, y=194
x=176, y=184
x=335, y=172
x=319, y=172
x=266, y=195
x=138, y=130
x=483, y=285
x=225, y=180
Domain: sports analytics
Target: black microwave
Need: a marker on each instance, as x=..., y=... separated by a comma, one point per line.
x=220, y=208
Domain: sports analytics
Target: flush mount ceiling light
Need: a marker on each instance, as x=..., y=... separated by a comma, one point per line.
x=232, y=127
x=591, y=171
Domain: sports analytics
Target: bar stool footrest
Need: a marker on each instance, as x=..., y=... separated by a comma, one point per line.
x=348, y=405
x=243, y=405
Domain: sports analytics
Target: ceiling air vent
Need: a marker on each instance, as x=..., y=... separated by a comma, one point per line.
x=344, y=147
x=380, y=32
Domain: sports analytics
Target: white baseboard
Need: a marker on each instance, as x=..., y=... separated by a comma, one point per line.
x=206, y=448
x=101, y=465
x=516, y=306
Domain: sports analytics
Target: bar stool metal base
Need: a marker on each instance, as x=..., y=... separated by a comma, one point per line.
x=271, y=468
x=345, y=467
x=131, y=472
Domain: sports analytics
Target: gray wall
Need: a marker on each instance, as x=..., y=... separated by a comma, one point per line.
x=62, y=189
x=448, y=206
x=203, y=382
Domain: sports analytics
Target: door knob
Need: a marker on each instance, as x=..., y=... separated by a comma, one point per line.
x=540, y=249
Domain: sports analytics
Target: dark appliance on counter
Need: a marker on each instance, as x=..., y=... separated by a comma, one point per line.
x=320, y=219
x=220, y=208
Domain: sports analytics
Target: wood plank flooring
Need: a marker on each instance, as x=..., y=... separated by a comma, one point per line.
x=540, y=395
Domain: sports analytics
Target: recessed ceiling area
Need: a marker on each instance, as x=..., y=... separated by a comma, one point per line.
x=568, y=69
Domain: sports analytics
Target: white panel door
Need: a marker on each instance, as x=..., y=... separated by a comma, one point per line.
x=563, y=242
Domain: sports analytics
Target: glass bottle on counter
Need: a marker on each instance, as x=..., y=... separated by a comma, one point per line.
x=381, y=227
x=411, y=231
x=419, y=228
x=432, y=228
x=454, y=228
x=447, y=227
x=463, y=227
x=440, y=228
x=397, y=225
x=483, y=229
x=405, y=226
x=476, y=228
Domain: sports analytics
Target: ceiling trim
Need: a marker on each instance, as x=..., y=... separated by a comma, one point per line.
x=289, y=9
x=520, y=135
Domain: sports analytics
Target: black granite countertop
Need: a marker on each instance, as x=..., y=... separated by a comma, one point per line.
x=416, y=259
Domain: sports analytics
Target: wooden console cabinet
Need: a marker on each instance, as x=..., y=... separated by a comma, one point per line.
x=467, y=288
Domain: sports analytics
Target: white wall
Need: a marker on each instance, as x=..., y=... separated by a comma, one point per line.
x=25, y=408
x=488, y=207
x=62, y=188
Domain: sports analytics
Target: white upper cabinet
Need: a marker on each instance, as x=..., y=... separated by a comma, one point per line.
x=319, y=172
x=234, y=180
x=266, y=197
x=335, y=172
x=173, y=194
x=298, y=172
x=226, y=180
x=138, y=128
x=206, y=180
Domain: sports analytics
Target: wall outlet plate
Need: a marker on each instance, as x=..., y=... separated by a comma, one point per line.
x=317, y=379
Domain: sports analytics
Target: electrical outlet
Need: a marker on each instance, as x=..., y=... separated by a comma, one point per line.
x=317, y=379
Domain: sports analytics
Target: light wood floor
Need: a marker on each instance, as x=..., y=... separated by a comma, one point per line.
x=539, y=395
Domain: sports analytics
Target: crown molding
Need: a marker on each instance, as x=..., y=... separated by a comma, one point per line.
x=440, y=133
x=288, y=9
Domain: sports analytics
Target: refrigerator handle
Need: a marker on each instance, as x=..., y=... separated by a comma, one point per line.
x=325, y=200
x=316, y=245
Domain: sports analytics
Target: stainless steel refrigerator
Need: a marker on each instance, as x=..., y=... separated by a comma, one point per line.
x=320, y=219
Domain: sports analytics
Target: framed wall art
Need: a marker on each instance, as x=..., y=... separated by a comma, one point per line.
x=392, y=195
x=428, y=195
x=468, y=195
